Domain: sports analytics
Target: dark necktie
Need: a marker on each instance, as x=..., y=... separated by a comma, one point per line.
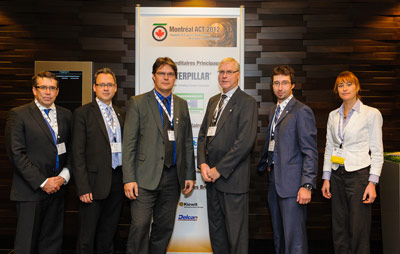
x=169, y=148
x=47, y=110
x=272, y=136
x=219, y=109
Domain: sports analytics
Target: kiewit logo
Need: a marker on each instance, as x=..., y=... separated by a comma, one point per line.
x=182, y=217
x=189, y=205
x=159, y=32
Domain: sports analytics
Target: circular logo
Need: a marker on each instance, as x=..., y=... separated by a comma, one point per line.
x=180, y=203
x=159, y=33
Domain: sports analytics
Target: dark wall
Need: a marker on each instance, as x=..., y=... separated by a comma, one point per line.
x=318, y=39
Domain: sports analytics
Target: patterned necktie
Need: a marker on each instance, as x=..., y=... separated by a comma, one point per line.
x=115, y=160
x=272, y=136
x=219, y=109
x=47, y=111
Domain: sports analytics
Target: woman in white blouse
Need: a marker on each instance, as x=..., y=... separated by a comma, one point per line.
x=352, y=165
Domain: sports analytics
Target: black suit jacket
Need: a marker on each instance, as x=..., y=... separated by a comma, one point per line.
x=91, y=151
x=229, y=150
x=143, y=147
x=32, y=152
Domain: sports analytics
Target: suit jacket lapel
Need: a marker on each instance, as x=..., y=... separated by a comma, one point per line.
x=119, y=116
x=100, y=121
x=227, y=110
x=37, y=115
x=285, y=112
x=177, y=112
x=153, y=105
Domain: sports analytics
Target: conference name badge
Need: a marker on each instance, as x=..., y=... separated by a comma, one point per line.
x=116, y=147
x=271, y=146
x=337, y=156
x=171, y=135
x=61, y=148
x=211, y=131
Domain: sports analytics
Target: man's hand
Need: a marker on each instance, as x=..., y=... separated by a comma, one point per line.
x=131, y=190
x=205, y=169
x=53, y=184
x=86, y=198
x=326, y=189
x=303, y=196
x=369, y=194
x=213, y=174
x=188, y=186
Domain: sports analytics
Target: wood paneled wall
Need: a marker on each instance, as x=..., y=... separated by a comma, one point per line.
x=318, y=39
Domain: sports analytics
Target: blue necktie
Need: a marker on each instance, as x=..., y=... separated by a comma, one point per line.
x=47, y=110
x=271, y=154
x=115, y=160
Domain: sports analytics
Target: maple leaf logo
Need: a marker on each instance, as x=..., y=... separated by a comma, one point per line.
x=159, y=33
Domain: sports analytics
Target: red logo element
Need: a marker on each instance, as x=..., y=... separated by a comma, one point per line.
x=159, y=33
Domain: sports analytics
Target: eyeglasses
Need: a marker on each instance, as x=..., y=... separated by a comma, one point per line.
x=103, y=85
x=229, y=73
x=283, y=83
x=169, y=74
x=45, y=88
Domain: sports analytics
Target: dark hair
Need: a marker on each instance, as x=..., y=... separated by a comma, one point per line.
x=43, y=74
x=104, y=71
x=284, y=70
x=161, y=61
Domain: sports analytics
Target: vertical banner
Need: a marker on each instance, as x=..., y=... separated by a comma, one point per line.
x=197, y=39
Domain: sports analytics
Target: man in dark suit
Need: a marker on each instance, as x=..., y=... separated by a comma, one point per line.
x=158, y=160
x=37, y=142
x=225, y=140
x=291, y=158
x=96, y=166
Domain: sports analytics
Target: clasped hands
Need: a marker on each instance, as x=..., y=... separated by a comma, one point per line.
x=209, y=174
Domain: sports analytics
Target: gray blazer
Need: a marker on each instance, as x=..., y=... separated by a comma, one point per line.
x=295, y=154
x=229, y=150
x=32, y=152
x=143, y=147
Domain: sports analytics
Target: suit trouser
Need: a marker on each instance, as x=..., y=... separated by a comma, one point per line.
x=351, y=219
x=40, y=225
x=228, y=221
x=98, y=221
x=288, y=222
x=159, y=204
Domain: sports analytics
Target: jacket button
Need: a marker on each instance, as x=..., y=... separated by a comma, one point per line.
x=162, y=158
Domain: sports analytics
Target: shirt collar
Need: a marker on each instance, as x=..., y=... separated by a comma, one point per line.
x=41, y=107
x=162, y=97
x=231, y=92
x=356, y=107
x=102, y=103
x=283, y=104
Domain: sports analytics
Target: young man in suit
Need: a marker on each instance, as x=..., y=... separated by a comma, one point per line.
x=37, y=141
x=158, y=160
x=225, y=140
x=96, y=166
x=291, y=158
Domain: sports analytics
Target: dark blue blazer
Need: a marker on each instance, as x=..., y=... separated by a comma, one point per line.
x=296, y=153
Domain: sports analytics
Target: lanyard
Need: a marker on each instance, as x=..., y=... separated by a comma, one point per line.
x=111, y=124
x=170, y=117
x=53, y=124
x=340, y=134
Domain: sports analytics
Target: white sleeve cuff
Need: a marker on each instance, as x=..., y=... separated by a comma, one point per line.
x=65, y=174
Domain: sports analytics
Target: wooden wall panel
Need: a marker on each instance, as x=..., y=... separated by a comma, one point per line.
x=318, y=38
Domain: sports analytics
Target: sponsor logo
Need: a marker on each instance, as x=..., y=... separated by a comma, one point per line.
x=159, y=32
x=189, y=205
x=182, y=217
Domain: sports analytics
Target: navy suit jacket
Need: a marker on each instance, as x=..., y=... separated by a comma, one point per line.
x=296, y=153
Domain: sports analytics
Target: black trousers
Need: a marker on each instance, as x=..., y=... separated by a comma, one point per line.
x=351, y=219
x=98, y=221
x=228, y=221
x=160, y=205
x=40, y=225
